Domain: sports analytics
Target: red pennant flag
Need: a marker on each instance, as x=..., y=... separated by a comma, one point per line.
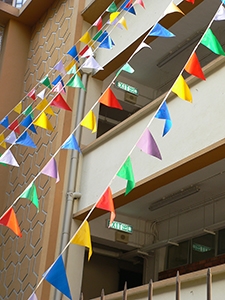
x=84, y=50
x=31, y=94
x=15, y=126
x=58, y=101
x=193, y=67
x=106, y=203
x=109, y=99
x=9, y=219
x=192, y=1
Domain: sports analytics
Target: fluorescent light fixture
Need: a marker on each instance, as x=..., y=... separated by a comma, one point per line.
x=183, y=193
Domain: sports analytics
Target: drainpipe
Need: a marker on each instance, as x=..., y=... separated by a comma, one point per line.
x=71, y=195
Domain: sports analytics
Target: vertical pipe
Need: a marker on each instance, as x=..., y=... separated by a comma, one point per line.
x=178, y=286
x=103, y=295
x=209, y=284
x=150, y=290
x=125, y=291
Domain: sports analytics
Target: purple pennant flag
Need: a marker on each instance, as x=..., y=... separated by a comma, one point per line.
x=11, y=138
x=51, y=169
x=33, y=297
x=148, y=145
x=8, y=158
x=60, y=67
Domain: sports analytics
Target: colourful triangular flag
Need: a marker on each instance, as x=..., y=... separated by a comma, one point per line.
x=141, y=46
x=193, y=67
x=41, y=106
x=29, y=111
x=3, y=163
x=73, y=52
x=45, y=81
x=127, y=5
x=59, y=88
x=123, y=22
x=112, y=8
x=28, y=121
x=127, y=68
x=86, y=52
x=75, y=81
x=109, y=99
x=14, y=126
x=58, y=101
x=11, y=138
x=9, y=219
x=30, y=193
x=31, y=94
x=86, y=39
x=114, y=23
x=172, y=8
x=98, y=23
x=139, y=2
x=26, y=140
x=220, y=15
x=42, y=94
x=159, y=30
x=2, y=140
x=56, y=276
x=148, y=145
x=83, y=238
x=163, y=113
x=181, y=89
x=60, y=67
x=71, y=143
x=33, y=297
x=18, y=108
x=57, y=80
x=5, y=122
x=91, y=63
x=51, y=169
x=106, y=203
x=105, y=40
x=209, y=40
x=113, y=16
x=98, y=34
x=192, y=1
x=43, y=122
x=90, y=122
x=8, y=158
x=70, y=65
x=126, y=172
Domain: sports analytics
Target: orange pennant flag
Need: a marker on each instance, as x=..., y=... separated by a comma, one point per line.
x=193, y=67
x=43, y=122
x=123, y=22
x=41, y=106
x=90, y=122
x=9, y=219
x=109, y=99
x=172, y=8
x=106, y=203
x=2, y=141
x=181, y=89
x=83, y=238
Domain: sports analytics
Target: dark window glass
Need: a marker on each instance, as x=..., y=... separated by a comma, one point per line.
x=221, y=242
x=203, y=247
x=177, y=255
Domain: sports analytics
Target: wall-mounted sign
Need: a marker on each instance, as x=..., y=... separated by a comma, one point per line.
x=200, y=248
x=121, y=227
x=127, y=88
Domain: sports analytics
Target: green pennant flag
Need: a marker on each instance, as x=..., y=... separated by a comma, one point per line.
x=126, y=172
x=97, y=35
x=46, y=82
x=112, y=8
x=31, y=194
x=127, y=68
x=73, y=70
x=75, y=82
x=209, y=40
x=29, y=111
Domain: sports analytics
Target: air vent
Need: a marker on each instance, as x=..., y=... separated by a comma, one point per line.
x=122, y=237
x=131, y=98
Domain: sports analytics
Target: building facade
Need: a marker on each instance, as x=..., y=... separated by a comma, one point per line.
x=174, y=215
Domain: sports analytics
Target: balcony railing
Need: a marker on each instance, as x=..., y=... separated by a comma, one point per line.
x=15, y=3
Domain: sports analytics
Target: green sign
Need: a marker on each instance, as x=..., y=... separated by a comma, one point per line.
x=200, y=248
x=121, y=227
x=127, y=88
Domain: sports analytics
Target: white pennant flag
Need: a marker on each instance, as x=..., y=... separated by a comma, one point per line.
x=88, y=53
x=220, y=15
x=8, y=158
x=142, y=45
x=11, y=138
x=41, y=94
x=91, y=63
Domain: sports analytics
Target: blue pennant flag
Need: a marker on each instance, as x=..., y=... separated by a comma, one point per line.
x=105, y=40
x=71, y=143
x=128, y=7
x=163, y=113
x=26, y=140
x=159, y=30
x=73, y=53
x=5, y=122
x=56, y=276
x=27, y=121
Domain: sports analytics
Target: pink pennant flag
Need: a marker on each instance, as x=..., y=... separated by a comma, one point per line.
x=31, y=94
x=98, y=23
x=139, y=2
x=142, y=45
x=51, y=169
x=148, y=145
x=8, y=158
x=59, y=88
x=60, y=67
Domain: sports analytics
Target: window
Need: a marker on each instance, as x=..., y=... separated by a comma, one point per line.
x=203, y=247
x=178, y=255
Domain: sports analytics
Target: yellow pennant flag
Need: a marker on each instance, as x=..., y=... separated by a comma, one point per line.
x=42, y=105
x=90, y=122
x=70, y=65
x=181, y=89
x=18, y=108
x=113, y=16
x=83, y=238
x=43, y=122
x=172, y=8
x=123, y=22
x=2, y=141
x=87, y=39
